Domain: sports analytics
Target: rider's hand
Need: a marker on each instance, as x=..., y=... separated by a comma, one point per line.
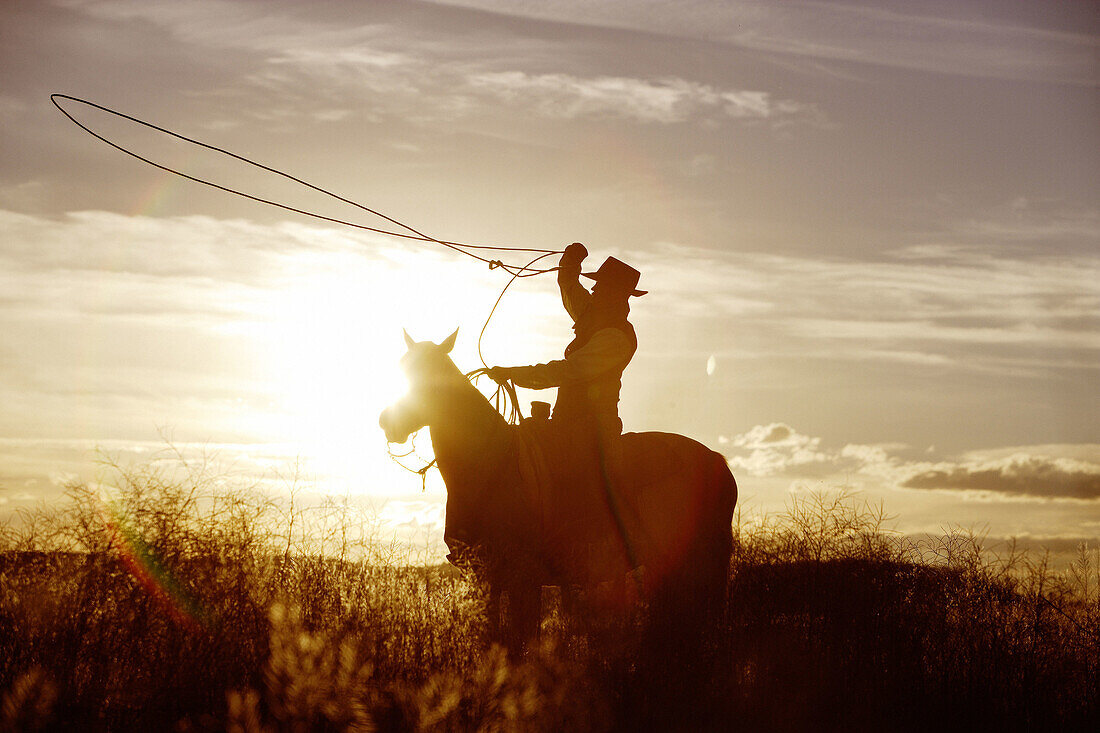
x=573, y=256
x=499, y=374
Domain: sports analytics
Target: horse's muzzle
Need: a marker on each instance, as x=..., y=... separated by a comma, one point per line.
x=389, y=426
x=385, y=421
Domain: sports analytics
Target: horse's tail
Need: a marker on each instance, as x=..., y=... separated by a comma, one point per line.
x=726, y=496
x=716, y=536
x=691, y=602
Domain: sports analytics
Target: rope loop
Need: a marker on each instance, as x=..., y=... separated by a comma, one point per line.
x=504, y=398
x=409, y=233
x=505, y=389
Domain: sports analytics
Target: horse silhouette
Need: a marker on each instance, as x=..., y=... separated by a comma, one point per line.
x=664, y=505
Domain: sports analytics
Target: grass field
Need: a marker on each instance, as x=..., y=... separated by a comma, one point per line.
x=185, y=604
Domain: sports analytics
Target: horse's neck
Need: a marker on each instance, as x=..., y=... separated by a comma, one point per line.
x=468, y=434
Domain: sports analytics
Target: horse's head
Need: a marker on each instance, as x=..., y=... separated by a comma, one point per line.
x=428, y=368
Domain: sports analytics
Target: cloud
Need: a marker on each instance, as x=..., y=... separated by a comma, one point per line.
x=55, y=463
x=26, y=195
x=11, y=107
x=777, y=448
x=427, y=517
x=1045, y=472
x=1024, y=222
x=1019, y=474
x=97, y=262
x=459, y=88
x=338, y=53
x=666, y=100
x=763, y=435
x=40, y=470
x=974, y=307
x=229, y=330
x=205, y=282
x=1002, y=47
x=421, y=73
x=63, y=478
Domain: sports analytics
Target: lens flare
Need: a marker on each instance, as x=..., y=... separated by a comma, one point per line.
x=151, y=573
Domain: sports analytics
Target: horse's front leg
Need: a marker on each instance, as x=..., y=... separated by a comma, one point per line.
x=524, y=617
x=492, y=613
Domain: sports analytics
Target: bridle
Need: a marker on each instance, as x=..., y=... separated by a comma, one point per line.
x=396, y=458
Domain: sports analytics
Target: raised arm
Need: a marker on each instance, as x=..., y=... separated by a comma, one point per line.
x=574, y=296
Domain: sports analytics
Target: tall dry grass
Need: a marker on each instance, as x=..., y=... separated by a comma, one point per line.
x=862, y=629
x=301, y=621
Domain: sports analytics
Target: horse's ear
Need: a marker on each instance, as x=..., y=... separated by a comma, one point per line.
x=408, y=339
x=449, y=342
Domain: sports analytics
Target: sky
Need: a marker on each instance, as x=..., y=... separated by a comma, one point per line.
x=870, y=233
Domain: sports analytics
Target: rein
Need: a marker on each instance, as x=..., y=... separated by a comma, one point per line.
x=422, y=472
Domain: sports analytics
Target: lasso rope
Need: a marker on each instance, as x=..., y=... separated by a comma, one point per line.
x=493, y=310
x=415, y=234
x=504, y=398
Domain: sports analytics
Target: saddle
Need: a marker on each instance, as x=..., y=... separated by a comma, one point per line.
x=586, y=503
x=588, y=491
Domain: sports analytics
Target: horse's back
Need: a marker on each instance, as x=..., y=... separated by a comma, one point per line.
x=655, y=455
x=682, y=466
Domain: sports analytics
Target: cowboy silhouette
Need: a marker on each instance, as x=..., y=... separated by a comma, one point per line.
x=590, y=376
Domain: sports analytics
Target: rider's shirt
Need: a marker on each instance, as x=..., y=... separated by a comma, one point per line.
x=609, y=349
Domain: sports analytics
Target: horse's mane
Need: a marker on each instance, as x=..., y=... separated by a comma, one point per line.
x=466, y=394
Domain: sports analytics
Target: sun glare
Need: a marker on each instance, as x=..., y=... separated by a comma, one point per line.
x=333, y=351
x=331, y=345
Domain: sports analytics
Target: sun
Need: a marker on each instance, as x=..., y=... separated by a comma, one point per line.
x=330, y=347
x=335, y=367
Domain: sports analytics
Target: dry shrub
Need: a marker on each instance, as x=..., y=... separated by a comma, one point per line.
x=317, y=681
x=827, y=608
x=28, y=704
x=304, y=623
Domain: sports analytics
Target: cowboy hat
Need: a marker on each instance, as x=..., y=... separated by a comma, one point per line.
x=617, y=275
